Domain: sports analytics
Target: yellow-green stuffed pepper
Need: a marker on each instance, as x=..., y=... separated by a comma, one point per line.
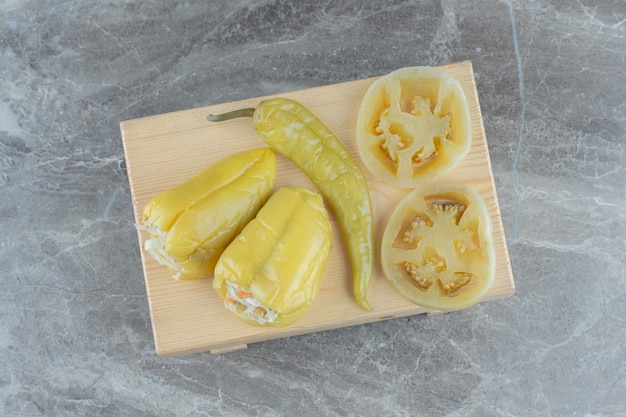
x=192, y=223
x=270, y=274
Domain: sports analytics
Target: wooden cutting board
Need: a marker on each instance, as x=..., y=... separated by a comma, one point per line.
x=163, y=150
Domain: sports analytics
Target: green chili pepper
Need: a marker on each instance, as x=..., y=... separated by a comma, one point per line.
x=271, y=272
x=293, y=131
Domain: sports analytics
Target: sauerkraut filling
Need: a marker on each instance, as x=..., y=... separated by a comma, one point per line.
x=243, y=303
x=155, y=246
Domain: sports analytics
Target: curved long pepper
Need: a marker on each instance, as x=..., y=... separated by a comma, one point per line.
x=293, y=131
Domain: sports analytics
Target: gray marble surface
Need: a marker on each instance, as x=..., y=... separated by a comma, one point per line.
x=75, y=331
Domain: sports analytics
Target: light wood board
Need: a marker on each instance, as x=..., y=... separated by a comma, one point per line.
x=163, y=150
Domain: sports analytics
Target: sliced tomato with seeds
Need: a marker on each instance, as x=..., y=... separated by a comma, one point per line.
x=437, y=248
x=413, y=126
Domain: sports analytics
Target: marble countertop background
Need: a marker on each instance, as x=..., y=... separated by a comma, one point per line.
x=75, y=331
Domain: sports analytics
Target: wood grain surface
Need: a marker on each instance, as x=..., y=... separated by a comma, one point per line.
x=163, y=150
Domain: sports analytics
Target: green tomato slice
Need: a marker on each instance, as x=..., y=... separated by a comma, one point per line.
x=413, y=126
x=437, y=248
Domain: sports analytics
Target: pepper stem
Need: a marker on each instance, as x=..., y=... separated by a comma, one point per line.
x=231, y=115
